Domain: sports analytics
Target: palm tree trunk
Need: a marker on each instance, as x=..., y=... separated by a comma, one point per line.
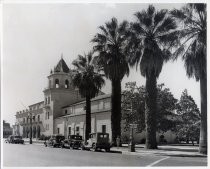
x=116, y=110
x=150, y=111
x=88, y=118
x=203, y=127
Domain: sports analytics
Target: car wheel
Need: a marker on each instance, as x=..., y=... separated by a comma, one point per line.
x=107, y=150
x=82, y=147
x=94, y=147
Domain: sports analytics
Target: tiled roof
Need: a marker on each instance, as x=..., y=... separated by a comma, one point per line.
x=61, y=67
x=103, y=96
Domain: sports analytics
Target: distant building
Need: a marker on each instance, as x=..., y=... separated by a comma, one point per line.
x=7, y=130
x=63, y=110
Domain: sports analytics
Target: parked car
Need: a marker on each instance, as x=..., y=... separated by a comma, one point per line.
x=15, y=139
x=54, y=141
x=97, y=141
x=73, y=141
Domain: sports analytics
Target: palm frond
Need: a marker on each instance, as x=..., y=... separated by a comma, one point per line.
x=111, y=48
x=167, y=25
x=159, y=16
x=178, y=14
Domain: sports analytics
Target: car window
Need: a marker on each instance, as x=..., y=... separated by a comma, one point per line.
x=60, y=137
x=101, y=136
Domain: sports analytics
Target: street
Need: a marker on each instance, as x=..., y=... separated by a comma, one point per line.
x=17, y=155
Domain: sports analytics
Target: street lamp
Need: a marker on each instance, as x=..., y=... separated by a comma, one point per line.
x=30, y=117
x=131, y=145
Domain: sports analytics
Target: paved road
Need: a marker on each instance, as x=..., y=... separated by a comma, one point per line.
x=15, y=155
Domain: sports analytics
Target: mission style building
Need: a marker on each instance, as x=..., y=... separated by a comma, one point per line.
x=63, y=111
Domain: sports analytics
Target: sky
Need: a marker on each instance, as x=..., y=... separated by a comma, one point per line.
x=35, y=36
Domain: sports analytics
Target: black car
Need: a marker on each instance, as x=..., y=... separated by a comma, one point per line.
x=15, y=139
x=54, y=141
x=97, y=141
x=73, y=141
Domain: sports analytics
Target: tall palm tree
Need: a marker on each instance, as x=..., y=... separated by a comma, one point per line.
x=110, y=45
x=152, y=37
x=89, y=83
x=193, y=52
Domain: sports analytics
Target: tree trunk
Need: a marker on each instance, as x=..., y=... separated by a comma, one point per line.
x=150, y=111
x=203, y=127
x=88, y=118
x=116, y=110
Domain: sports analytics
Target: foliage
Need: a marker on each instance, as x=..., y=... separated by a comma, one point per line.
x=134, y=108
x=151, y=38
x=192, y=35
x=150, y=42
x=110, y=45
x=86, y=77
x=89, y=82
x=192, y=19
x=189, y=115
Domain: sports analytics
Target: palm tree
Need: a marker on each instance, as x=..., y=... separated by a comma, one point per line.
x=152, y=37
x=89, y=83
x=110, y=45
x=193, y=51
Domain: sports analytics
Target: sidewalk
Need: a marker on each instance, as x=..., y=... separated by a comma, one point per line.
x=163, y=150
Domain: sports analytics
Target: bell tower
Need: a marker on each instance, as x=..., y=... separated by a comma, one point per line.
x=60, y=77
x=60, y=92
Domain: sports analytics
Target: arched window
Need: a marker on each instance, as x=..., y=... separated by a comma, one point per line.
x=56, y=83
x=66, y=84
x=38, y=131
x=34, y=132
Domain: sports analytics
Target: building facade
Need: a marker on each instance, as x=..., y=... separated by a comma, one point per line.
x=63, y=110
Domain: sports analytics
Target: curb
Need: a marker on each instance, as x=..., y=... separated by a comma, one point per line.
x=163, y=154
x=143, y=153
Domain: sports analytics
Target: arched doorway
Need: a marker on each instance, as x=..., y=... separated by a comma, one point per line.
x=27, y=132
x=38, y=131
x=34, y=131
x=24, y=132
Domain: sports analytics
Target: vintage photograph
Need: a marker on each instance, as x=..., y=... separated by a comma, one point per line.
x=104, y=84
